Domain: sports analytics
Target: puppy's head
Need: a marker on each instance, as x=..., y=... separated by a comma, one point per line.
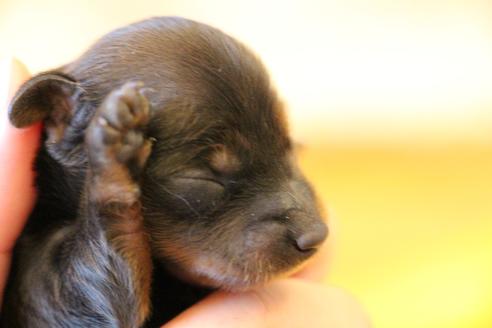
x=223, y=199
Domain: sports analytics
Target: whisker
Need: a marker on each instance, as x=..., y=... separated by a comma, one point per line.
x=182, y=199
x=294, y=198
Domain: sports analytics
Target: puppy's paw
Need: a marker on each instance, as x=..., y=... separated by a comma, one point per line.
x=115, y=136
x=117, y=151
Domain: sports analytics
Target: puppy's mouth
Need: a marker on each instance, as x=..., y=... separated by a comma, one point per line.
x=240, y=260
x=217, y=273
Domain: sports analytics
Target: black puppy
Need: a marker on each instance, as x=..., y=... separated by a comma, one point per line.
x=187, y=173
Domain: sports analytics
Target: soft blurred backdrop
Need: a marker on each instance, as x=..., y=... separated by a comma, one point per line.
x=393, y=102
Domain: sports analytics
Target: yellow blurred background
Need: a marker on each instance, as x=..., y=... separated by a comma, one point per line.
x=393, y=101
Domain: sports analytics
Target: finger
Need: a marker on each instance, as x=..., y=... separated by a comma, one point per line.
x=222, y=310
x=17, y=150
x=285, y=303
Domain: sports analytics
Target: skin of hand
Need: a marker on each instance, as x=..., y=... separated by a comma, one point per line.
x=17, y=150
x=297, y=301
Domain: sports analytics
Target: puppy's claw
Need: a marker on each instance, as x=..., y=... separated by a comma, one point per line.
x=102, y=121
x=145, y=152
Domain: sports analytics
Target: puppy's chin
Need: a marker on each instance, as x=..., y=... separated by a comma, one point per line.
x=215, y=273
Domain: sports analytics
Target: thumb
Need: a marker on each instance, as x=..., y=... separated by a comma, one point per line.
x=284, y=303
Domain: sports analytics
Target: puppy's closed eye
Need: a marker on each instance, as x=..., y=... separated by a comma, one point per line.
x=194, y=192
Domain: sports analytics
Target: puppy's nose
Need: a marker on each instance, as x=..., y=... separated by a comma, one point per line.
x=312, y=239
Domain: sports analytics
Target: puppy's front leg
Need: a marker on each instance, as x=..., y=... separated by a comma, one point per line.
x=117, y=152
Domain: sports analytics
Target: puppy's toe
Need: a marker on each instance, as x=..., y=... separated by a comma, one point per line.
x=131, y=144
x=116, y=133
x=126, y=107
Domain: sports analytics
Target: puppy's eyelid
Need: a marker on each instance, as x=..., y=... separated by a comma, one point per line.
x=199, y=174
x=198, y=178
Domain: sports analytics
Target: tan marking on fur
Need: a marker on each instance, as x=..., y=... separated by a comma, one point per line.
x=117, y=196
x=224, y=161
x=128, y=237
x=114, y=186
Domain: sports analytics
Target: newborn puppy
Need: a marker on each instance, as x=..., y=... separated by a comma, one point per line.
x=166, y=170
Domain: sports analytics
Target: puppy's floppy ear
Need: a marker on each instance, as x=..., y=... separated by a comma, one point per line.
x=47, y=95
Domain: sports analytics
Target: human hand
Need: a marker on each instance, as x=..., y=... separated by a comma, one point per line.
x=17, y=150
x=299, y=301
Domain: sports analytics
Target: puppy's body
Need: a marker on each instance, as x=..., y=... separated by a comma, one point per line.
x=188, y=175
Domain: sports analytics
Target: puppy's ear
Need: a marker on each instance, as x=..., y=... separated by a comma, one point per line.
x=46, y=96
